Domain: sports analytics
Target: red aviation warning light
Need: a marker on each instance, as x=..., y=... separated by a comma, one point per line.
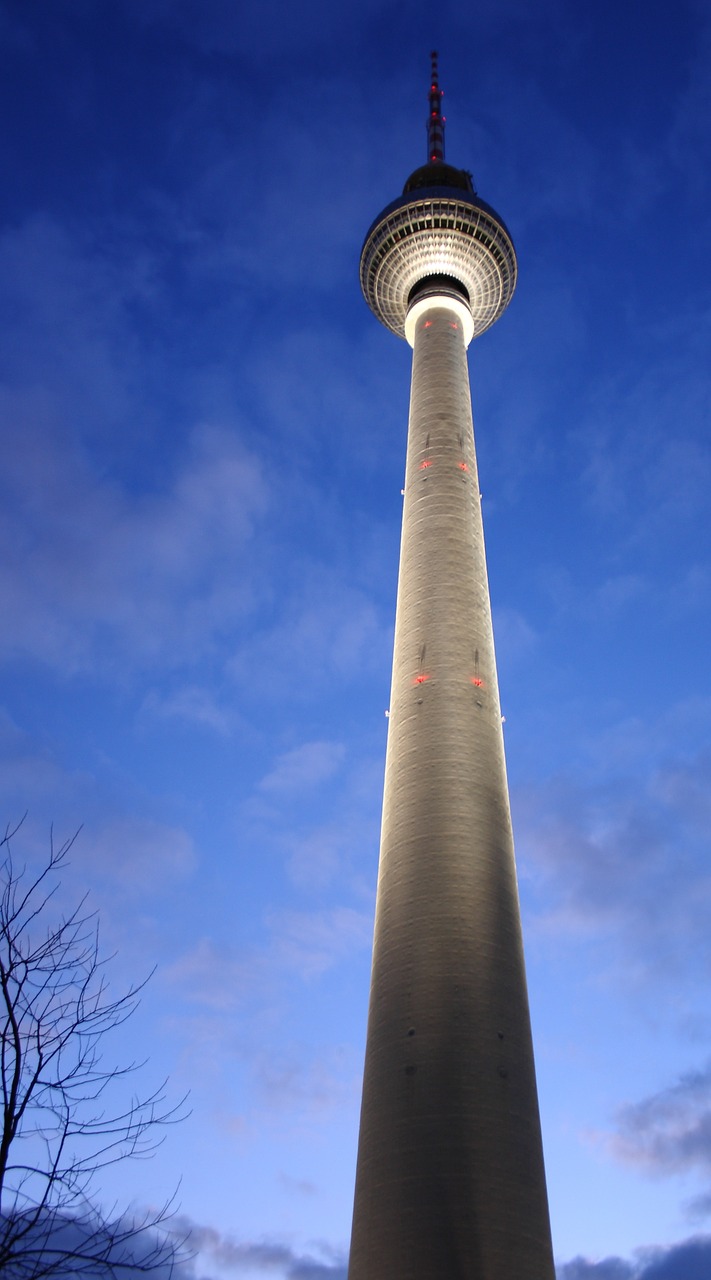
x=423, y=676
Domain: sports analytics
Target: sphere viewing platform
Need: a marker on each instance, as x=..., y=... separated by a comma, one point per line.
x=438, y=227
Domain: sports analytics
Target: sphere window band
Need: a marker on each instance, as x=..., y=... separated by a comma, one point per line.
x=462, y=239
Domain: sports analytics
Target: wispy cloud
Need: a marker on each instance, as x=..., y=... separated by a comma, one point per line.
x=622, y=851
x=304, y=767
x=274, y=1257
x=315, y=859
x=299, y=1087
x=669, y=1131
x=104, y=573
x=194, y=704
x=310, y=943
x=216, y=977
x=646, y=454
x=231, y=1010
x=300, y=945
x=139, y=854
x=326, y=631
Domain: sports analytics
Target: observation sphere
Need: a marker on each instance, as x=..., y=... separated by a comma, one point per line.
x=439, y=230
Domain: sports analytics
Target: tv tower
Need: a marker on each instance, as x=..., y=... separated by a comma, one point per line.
x=450, y=1182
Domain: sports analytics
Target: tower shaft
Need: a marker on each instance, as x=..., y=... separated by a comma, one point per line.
x=450, y=1181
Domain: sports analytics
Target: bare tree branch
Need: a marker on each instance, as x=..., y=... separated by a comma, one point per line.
x=58, y=1127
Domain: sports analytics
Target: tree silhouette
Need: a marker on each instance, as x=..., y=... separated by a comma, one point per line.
x=61, y=1121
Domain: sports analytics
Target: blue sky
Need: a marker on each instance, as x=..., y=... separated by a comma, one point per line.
x=203, y=435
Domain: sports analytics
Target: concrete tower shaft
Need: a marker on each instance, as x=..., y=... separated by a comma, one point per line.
x=450, y=1182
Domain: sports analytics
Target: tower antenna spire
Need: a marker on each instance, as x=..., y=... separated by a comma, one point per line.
x=435, y=119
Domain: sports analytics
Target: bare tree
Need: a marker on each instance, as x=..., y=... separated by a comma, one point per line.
x=59, y=1125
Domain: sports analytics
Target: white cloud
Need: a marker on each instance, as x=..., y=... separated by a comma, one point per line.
x=310, y=943
x=138, y=854
x=316, y=858
x=326, y=632
x=515, y=637
x=97, y=571
x=301, y=945
x=304, y=767
x=217, y=977
x=195, y=705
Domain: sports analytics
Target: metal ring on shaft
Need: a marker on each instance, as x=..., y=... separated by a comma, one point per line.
x=457, y=306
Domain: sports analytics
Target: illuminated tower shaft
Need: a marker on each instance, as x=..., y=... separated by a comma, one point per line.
x=450, y=1179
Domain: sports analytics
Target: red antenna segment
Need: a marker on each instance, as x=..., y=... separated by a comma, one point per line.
x=435, y=119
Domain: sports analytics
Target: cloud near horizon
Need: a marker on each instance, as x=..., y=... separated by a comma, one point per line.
x=690, y=1260
x=687, y=1260
x=273, y=1257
